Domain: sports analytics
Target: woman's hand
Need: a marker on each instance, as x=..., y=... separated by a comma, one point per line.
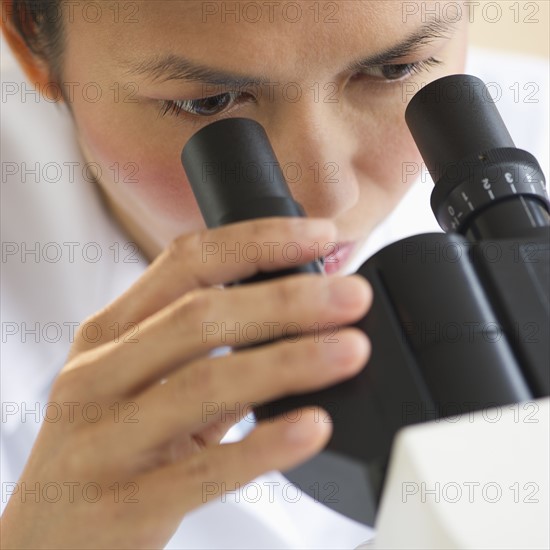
x=139, y=459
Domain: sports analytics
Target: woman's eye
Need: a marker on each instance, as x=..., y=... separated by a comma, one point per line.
x=401, y=71
x=214, y=105
x=204, y=107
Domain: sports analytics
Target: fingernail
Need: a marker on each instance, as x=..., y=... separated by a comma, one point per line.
x=343, y=291
x=345, y=350
x=339, y=351
x=301, y=429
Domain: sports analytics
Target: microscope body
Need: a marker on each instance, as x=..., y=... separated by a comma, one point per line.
x=456, y=327
x=479, y=481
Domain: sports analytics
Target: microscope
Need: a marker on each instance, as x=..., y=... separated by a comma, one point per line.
x=447, y=427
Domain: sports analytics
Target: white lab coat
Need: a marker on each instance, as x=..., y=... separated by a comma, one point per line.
x=74, y=271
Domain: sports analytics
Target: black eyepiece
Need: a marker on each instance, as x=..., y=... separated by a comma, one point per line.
x=485, y=186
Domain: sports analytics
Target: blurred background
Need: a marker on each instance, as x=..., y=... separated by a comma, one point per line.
x=518, y=26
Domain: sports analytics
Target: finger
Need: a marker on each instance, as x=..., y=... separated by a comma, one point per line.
x=273, y=445
x=223, y=390
x=204, y=259
x=178, y=334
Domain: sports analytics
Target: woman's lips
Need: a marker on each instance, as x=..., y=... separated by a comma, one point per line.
x=338, y=257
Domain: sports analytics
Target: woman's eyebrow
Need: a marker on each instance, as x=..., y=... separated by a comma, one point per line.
x=434, y=30
x=172, y=67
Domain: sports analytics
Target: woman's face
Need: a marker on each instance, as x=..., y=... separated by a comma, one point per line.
x=337, y=128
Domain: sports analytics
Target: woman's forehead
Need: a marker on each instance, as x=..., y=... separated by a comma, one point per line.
x=263, y=35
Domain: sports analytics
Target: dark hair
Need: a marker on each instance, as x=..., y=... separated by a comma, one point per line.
x=40, y=25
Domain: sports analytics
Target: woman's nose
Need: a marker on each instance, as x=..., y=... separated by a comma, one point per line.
x=315, y=153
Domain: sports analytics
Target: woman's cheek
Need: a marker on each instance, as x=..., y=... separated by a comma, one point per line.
x=388, y=153
x=402, y=163
x=143, y=174
x=162, y=190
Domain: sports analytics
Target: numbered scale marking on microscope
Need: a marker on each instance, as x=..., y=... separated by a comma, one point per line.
x=464, y=200
x=487, y=187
